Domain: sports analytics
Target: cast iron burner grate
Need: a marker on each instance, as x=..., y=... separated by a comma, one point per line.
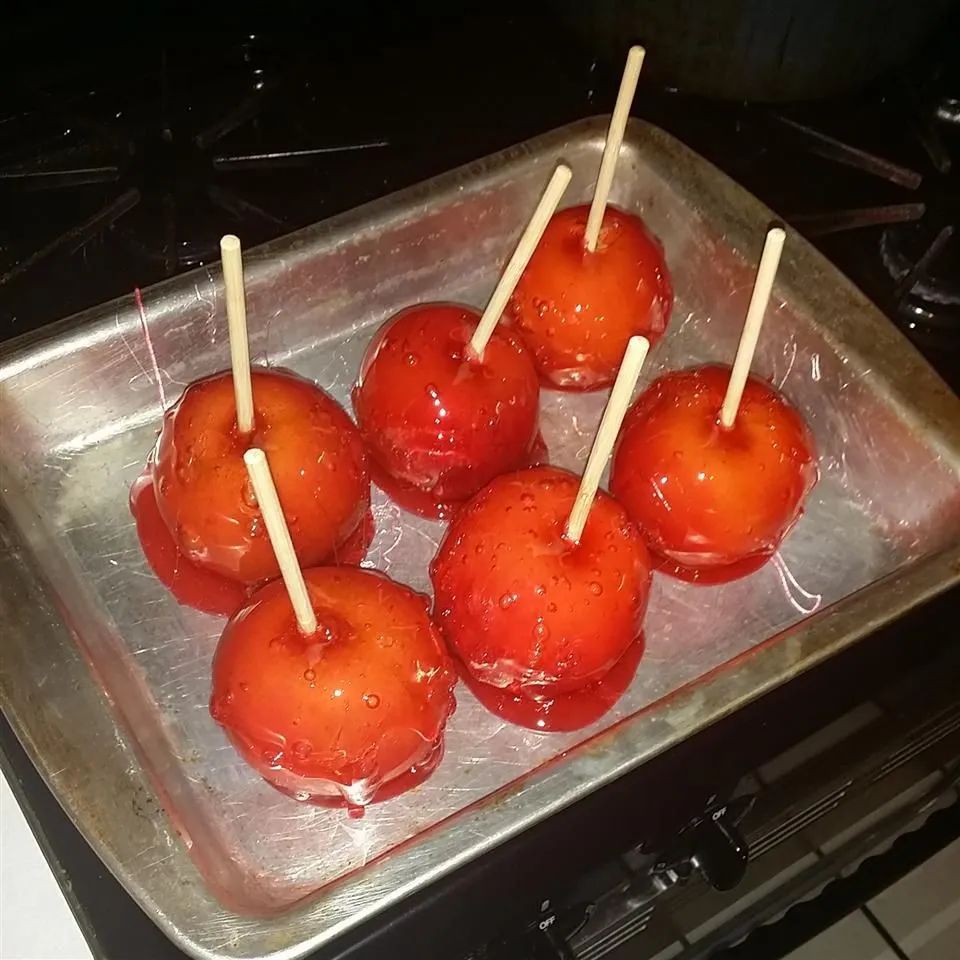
x=923, y=258
x=873, y=181
x=116, y=172
x=919, y=243
x=139, y=173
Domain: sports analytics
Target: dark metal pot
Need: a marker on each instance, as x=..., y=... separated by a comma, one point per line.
x=764, y=50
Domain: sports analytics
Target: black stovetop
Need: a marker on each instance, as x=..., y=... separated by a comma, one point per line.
x=123, y=160
x=125, y=155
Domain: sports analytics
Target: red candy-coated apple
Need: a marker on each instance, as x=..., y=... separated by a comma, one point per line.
x=521, y=606
x=343, y=713
x=707, y=498
x=437, y=422
x=576, y=310
x=204, y=494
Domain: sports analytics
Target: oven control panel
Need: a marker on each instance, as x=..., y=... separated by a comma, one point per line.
x=617, y=901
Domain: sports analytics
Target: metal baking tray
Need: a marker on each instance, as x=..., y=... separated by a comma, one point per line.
x=106, y=679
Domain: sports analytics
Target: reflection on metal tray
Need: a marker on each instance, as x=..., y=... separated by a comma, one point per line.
x=231, y=868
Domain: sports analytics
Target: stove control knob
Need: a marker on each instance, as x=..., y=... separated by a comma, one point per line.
x=550, y=937
x=719, y=851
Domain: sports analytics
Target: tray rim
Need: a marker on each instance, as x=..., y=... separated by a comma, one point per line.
x=171, y=889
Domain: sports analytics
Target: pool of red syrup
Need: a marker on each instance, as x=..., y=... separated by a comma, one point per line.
x=195, y=586
x=709, y=575
x=564, y=712
x=417, y=501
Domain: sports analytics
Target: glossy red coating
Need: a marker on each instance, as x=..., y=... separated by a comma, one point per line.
x=576, y=310
x=438, y=423
x=341, y=713
x=710, y=500
x=424, y=504
x=293, y=786
x=196, y=586
x=192, y=585
x=204, y=494
x=565, y=711
x=525, y=609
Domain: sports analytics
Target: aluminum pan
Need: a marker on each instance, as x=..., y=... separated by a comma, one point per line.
x=327, y=294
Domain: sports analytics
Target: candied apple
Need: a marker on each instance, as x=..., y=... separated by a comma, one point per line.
x=713, y=502
x=205, y=498
x=576, y=310
x=438, y=422
x=348, y=714
x=522, y=607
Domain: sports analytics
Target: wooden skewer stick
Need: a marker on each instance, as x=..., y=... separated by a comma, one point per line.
x=521, y=257
x=762, y=287
x=603, y=442
x=611, y=149
x=237, y=324
x=262, y=480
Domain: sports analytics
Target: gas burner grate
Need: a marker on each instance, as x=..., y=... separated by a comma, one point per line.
x=141, y=174
x=918, y=247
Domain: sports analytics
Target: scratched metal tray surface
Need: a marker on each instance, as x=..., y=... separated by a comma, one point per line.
x=106, y=679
